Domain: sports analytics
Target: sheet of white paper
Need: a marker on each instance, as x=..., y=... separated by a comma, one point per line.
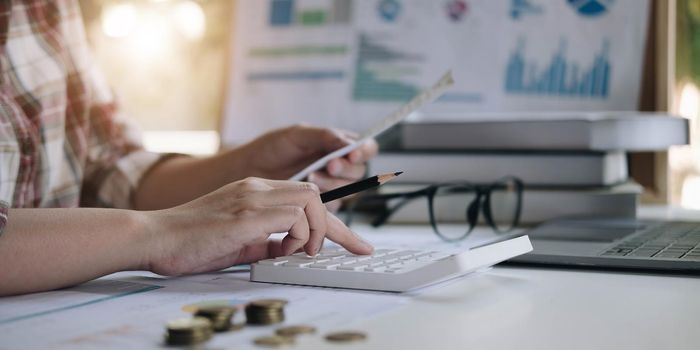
x=30, y=306
x=129, y=310
x=343, y=63
x=425, y=97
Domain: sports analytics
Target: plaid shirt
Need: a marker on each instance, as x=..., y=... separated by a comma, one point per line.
x=63, y=142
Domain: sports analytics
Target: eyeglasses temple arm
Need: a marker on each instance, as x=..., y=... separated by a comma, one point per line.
x=381, y=219
x=406, y=196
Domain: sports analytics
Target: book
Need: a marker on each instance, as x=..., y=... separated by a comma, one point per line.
x=539, y=204
x=533, y=168
x=618, y=131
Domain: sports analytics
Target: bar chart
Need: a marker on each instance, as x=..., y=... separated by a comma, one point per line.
x=560, y=76
x=381, y=71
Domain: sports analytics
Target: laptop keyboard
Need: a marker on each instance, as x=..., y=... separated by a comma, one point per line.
x=667, y=241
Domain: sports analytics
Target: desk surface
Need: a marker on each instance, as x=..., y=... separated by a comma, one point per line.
x=509, y=308
x=502, y=308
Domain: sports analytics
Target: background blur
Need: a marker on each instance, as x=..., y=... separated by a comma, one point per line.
x=684, y=161
x=166, y=61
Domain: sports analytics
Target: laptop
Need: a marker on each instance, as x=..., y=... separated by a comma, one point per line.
x=616, y=243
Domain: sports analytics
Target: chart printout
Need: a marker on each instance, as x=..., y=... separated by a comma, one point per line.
x=348, y=63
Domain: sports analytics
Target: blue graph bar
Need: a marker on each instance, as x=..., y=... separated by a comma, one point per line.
x=559, y=77
x=281, y=12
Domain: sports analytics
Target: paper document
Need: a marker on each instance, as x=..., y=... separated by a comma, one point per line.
x=342, y=63
x=25, y=307
x=129, y=310
x=426, y=96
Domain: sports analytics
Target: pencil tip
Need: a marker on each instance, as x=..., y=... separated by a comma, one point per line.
x=398, y=173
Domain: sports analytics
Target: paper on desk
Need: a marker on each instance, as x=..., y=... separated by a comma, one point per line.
x=24, y=307
x=426, y=96
x=129, y=310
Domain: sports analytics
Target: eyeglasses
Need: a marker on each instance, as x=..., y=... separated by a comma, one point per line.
x=452, y=204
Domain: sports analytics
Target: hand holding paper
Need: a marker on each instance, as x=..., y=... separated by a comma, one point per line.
x=426, y=96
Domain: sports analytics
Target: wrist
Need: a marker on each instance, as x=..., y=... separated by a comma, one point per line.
x=241, y=162
x=146, y=238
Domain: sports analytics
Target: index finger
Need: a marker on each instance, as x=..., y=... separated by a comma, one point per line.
x=341, y=234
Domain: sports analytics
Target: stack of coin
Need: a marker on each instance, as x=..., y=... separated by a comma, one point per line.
x=346, y=337
x=265, y=311
x=188, y=331
x=219, y=316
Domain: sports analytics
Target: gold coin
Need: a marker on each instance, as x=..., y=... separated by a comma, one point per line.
x=192, y=308
x=263, y=321
x=258, y=312
x=344, y=337
x=212, y=310
x=186, y=339
x=220, y=316
x=273, y=340
x=292, y=331
x=188, y=324
x=264, y=312
x=269, y=303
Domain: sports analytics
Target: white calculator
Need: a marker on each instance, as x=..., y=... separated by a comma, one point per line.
x=394, y=270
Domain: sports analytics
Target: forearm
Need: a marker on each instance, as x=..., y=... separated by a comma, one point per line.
x=178, y=180
x=42, y=249
x=277, y=155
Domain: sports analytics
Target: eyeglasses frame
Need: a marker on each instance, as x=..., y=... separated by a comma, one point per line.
x=483, y=191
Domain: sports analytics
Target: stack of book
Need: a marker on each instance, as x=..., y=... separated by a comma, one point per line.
x=572, y=165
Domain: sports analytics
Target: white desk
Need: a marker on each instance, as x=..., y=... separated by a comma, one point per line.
x=502, y=308
x=512, y=308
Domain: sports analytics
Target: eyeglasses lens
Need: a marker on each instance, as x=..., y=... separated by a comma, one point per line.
x=451, y=206
x=504, y=203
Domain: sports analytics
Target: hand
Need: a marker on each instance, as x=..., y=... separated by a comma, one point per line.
x=232, y=224
x=284, y=152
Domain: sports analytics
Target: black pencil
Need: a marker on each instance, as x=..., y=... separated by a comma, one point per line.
x=359, y=186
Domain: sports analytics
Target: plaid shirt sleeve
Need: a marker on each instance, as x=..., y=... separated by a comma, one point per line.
x=63, y=141
x=3, y=214
x=116, y=160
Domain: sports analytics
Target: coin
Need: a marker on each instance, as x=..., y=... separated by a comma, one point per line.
x=255, y=319
x=188, y=331
x=214, y=310
x=269, y=303
x=273, y=341
x=188, y=324
x=187, y=339
x=220, y=316
x=346, y=337
x=292, y=331
x=192, y=308
x=265, y=311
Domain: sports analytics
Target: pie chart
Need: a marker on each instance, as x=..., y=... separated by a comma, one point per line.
x=591, y=8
